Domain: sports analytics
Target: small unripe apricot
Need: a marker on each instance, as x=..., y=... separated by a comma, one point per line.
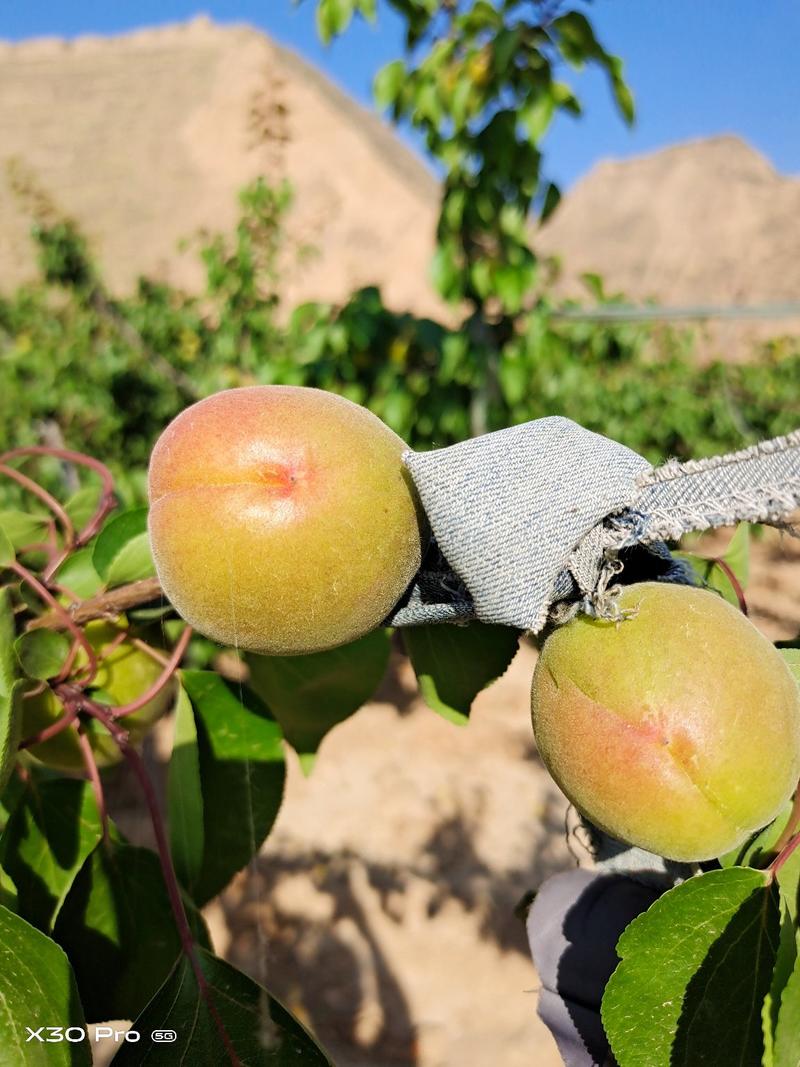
x=676, y=729
x=125, y=673
x=282, y=519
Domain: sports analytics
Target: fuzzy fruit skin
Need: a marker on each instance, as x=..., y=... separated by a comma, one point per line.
x=677, y=730
x=282, y=519
x=125, y=674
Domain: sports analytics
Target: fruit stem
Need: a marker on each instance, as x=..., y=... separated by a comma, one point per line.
x=169, y=670
x=94, y=777
x=69, y=716
x=792, y=825
x=188, y=945
x=784, y=854
x=108, y=499
x=737, y=585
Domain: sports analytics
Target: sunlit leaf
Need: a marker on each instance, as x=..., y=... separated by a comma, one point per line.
x=241, y=773
x=185, y=796
x=695, y=969
x=53, y=828
x=37, y=988
x=122, y=550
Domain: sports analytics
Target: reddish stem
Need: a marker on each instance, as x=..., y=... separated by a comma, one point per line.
x=69, y=716
x=69, y=663
x=136, y=764
x=108, y=499
x=90, y=763
x=737, y=585
x=784, y=854
x=60, y=610
x=45, y=497
x=162, y=680
x=792, y=825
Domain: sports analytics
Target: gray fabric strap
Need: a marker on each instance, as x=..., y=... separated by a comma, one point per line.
x=536, y=516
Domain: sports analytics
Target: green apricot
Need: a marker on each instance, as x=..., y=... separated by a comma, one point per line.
x=676, y=729
x=124, y=674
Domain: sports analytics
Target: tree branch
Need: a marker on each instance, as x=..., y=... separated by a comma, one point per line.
x=104, y=605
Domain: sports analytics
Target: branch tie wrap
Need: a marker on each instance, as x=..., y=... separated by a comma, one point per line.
x=534, y=522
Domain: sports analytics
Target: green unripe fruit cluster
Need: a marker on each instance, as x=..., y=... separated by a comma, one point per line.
x=282, y=519
x=124, y=674
x=676, y=729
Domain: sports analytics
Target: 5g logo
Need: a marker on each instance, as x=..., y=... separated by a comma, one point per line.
x=164, y=1036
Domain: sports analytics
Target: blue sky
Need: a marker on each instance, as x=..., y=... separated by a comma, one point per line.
x=697, y=67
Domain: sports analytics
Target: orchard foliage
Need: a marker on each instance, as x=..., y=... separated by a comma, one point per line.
x=105, y=374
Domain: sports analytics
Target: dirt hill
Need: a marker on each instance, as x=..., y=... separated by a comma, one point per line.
x=706, y=222
x=147, y=137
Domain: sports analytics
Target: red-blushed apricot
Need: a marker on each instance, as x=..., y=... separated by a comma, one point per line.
x=676, y=729
x=125, y=673
x=282, y=519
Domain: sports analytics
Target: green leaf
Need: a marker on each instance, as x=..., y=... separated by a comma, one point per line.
x=42, y=653
x=309, y=695
x=454, y=663
x=7, y=551
x=8, y=660
x=623, y=96
x=53, y=828
x=10, y=691
x=78, y=575
x=333, y=18
x=242, y=774
x=786, y=1049
x=118, y=930
x=737, y=554
x=21, y=529
x=82, y=505
x=694, y=972
x=37, y=988
x=388, y=82
x=791, y=657
x=551, y=200
x=784, y=967
x=185, y=796
x=122, y=551
x=11, y=795
x=538, y=115
x=759, y=851
x=260, y=1030
x=711, y=575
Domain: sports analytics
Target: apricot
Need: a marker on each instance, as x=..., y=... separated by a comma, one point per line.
x=124, y=674
x=676, y=729
x=282, y=520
